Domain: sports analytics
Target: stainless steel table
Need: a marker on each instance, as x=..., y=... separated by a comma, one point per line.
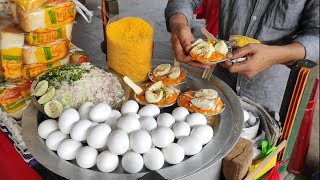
x=205, y=165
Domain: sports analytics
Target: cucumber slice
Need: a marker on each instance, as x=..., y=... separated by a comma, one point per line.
x=47, y=96
x=53, y=109
x=41, y=88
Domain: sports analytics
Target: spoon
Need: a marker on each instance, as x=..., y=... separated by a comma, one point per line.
x=208, y=35
x=137, y=89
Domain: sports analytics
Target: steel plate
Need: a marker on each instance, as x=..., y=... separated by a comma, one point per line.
x=227, y=127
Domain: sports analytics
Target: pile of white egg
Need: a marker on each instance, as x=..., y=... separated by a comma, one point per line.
x=98, y=135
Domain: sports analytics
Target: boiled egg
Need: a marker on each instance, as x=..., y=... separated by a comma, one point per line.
x=203, y=133
x=246, y=115
x=84, y=110
x=150, y=110
x=112, y=123
x=190, y=145
x=46, y=127
x=140, y=141
x=68, y=149
x=180, y=114
x=153, y=159
x=181, y=129
x=166, y=120
x=173, y=154
x=118, y=142
x=87, y=157
x=128, y=123
x=115, y=114
x=80, y=130
x=100, y=112
x=113, y=119
x=130, y=106
x=132, y=162
x=196, y=119
x=162, y=136
x=67, y=119
x=148, y=123
x=54, y=139
x=132, y=114
x=98, y=136
x=107, y=162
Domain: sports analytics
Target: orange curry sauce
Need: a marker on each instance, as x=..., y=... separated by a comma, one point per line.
x=212, y=58
x=185, y=101
x=163, y=102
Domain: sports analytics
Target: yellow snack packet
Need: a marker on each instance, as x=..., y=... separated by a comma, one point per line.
x=240, y=41
x=32, y=71
x=30, y=5
x=47, y=35
x=51, y=15
x=45, y=53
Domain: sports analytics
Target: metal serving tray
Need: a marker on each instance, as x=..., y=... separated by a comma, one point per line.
x=227, y=128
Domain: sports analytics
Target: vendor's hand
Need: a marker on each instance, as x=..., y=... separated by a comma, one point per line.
x=182, y=38
x=259, y=57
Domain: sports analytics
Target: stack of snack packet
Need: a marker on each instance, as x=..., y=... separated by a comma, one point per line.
x=35, y=36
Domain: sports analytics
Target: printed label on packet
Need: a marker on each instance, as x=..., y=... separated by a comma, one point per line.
x=32, y=71
x=11, y=54
x=54, y=50
x=46, y=35
x=12, y=70
x=60, y=14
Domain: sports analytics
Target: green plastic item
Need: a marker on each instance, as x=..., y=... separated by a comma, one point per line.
x=266, y=149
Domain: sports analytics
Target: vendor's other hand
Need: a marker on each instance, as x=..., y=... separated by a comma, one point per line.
x=259, y=57
x=182, y=38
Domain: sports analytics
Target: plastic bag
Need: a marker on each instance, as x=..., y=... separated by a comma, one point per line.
x=83, y=11
x=14, y=96
x=45, y=53
x=77, y=55
x=51, y=15
x=30, y=5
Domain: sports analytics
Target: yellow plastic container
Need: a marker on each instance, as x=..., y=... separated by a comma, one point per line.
x=269, y=166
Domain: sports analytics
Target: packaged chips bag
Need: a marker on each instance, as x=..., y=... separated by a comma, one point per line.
x=11, y=43
x=50, y=15
x=30, y=5
x=33, y=70
x=45, y=53
x=77, y=55
x=14, y=96
x=48, y=35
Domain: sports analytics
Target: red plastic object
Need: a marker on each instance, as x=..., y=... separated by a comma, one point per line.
x=300, y=151
x=12, y=166
x=274, y=173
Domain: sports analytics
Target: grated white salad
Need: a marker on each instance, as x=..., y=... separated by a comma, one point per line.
x=79, y=83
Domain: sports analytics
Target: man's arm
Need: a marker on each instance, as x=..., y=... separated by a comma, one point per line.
x=308, y=35
x=185, y=7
